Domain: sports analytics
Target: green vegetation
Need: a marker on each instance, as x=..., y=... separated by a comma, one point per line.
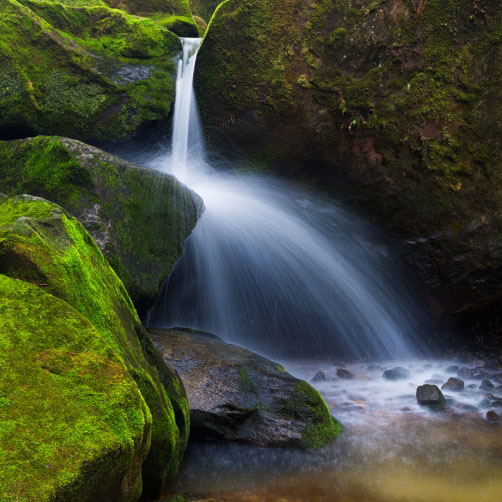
x=89, y=72
x=42, y=244
x=139, y=218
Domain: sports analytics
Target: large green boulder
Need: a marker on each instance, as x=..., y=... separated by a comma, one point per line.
x=42, y=244
x=138, y=217
x=92, y=73
x=73, y=424
x=393, y=105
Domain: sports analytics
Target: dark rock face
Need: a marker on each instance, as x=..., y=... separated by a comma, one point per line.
x=344, y=374
x=138, y=217
x=394, y=105
x=430, y=395
x=453, y=384
x=397, y=373
x=492, y=416
x=237, y=395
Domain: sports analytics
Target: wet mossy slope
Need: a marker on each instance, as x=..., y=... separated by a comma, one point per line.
x=395, y=105
x=93, y=73
x=42, y=244
x=138, y=217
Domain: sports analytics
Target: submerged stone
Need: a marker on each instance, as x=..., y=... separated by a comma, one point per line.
x=397, y=373
x=431, y=396
x=235, y=394
x=465, y=372
x=453, y=384
x=486, y=385
x=319, y=377
x=492, y=416
x=344, y=374
x=452, y=369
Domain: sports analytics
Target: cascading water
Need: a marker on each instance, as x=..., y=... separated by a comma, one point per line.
x=276, y=269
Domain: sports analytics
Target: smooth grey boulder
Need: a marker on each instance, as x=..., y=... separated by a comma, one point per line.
x=235, y=394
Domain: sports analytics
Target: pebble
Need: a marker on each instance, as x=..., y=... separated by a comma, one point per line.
x=453, y=384
x=465, y=372
x=398, y=373
x=344, y=374
x=486, y=385
x=319, y=377
x=491, y=416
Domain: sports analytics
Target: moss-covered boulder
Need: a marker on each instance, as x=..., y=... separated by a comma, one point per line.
x=237, y=395
x=138, y=217
x=92, y=73
x=394, y=105
x=73, y=424
x=42, y=244
x=204, y=8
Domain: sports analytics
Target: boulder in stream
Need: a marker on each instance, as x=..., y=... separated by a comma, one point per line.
x=431, y=396
x=237, y=395
x=344, y=374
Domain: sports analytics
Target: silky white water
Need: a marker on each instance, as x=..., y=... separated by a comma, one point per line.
x=277, y=269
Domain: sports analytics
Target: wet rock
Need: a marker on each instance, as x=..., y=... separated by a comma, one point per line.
x=491, y=364
x=497, y=403
x=453, y=384
x=452, y=369
x=431, y=396
x=434, y=381
x=437, y=376
x=344, y=374
x=465, y=372
x=472, y=386
x=237, y=395
x=486, y=385
x=485, y=403
x=466, y=407
x=481, y=375
x=397, y=373
x=492, y=416
x=319, y=377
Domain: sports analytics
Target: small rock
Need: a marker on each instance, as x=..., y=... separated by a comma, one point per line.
x=465, y=372
x=430, y=395
x=319, y=377
x=472, y=386
x=434, y=381
x=344, y=374
x=398, y=373
x=453, y=384
x=437, y=376
x=485, y=403
x=497, y=403
x=492, y=416
x=452, y=369
x=481, y=376
x=486, y=385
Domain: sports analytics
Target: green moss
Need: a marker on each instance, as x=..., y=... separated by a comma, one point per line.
x=41, y=243
x=246, y=381
x=128, y=209
x=75, y=70
x=323, y=428
x=90, y=433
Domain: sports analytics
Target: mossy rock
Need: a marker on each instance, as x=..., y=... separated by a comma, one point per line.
x=237, y=395
x=92, y=73
x=394, y=106
x=73, y=424
x=42, y=244
x=138, y=217
x=204, y=8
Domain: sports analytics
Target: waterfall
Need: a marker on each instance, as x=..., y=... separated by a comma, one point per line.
x=276, y=269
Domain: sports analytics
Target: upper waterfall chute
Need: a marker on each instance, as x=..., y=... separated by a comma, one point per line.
x=184, y=106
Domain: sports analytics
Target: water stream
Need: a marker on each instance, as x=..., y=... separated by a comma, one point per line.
x=278, y=269
x=287, y=273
